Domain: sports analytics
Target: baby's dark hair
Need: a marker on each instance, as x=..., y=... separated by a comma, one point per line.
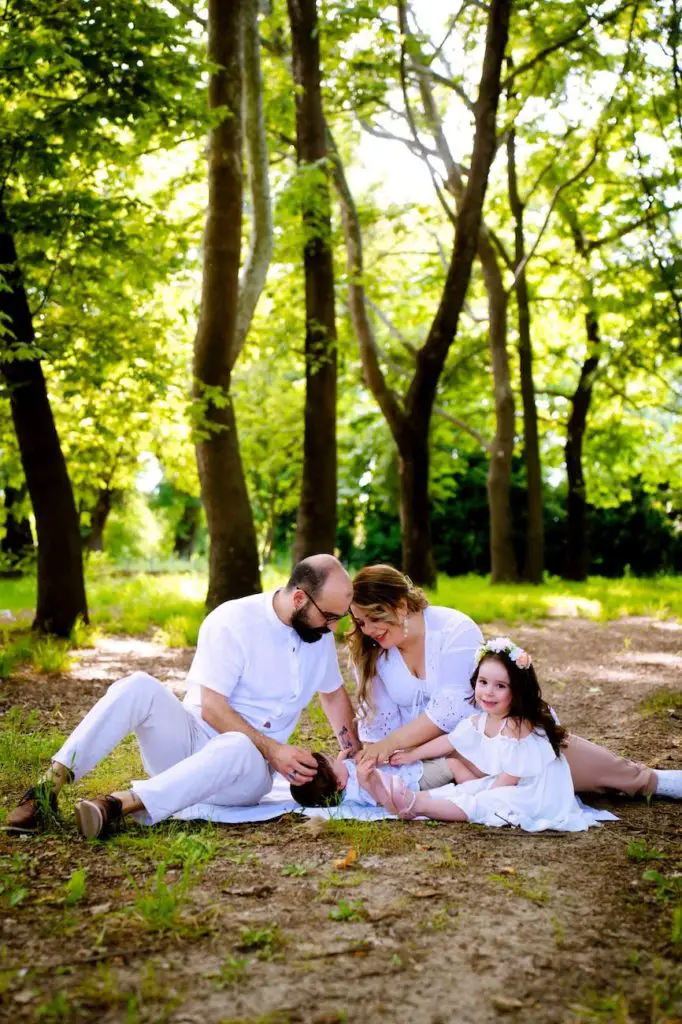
x=527, y=704
x=322, y=791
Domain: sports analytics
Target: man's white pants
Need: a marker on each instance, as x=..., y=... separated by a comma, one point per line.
x=187, y=765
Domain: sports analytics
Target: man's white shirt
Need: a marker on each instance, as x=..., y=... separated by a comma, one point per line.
x=263, y=669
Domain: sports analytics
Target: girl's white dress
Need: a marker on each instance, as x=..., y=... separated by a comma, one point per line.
x=543, y=798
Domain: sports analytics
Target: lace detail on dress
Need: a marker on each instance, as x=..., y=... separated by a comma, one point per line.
x=447, y=709
x=376, y=726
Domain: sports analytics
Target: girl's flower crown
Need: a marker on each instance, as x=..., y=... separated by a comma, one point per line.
x=504, y=645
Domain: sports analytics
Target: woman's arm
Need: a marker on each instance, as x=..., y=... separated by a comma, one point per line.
x=440, y=747
x=411, y=735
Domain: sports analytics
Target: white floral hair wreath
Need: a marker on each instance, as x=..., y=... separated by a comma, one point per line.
x=504, y=645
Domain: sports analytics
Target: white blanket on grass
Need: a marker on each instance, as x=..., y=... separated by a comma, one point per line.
x=278, y=801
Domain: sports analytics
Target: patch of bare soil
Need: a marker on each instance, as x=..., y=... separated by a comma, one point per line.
x=433, y=923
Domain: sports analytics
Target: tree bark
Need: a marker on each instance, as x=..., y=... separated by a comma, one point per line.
x=61, y=587
x=502, y=555
x=316, y=525
x=577, y=532
x=94, y=541
x=233, y=560
x=187, y=528
x=577, y=562
x=16, y=546
x=534, y=556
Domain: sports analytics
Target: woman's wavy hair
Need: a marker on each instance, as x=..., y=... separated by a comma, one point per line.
x=527, y=704
x=378, y=590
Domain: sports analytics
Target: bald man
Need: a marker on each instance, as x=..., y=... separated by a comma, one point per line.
x=258, y=663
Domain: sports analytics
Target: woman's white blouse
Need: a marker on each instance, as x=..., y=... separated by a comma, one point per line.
x=398, y=697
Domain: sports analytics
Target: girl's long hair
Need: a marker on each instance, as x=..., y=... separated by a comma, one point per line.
x=527, y=704
x=377, y=590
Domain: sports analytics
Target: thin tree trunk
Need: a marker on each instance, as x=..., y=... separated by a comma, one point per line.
x=502, y=556
x=316, y=525
x=16, y=545
x=233, y=560
x=577, y=547
x=94, y=541
x=415, y=510
x=187, y=528
x=577, y=561
x=61, y=587
x=534, y=556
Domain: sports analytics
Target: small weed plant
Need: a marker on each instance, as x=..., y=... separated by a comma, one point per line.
x=74, y=888
x=346, y=911
x=266, y=942
x=231, y=973
x=639, y=849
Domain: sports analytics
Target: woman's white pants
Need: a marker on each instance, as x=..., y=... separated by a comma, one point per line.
x=186, y=765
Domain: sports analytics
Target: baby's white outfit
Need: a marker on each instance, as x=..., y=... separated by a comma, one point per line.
x=355, y=794
x=543, y=798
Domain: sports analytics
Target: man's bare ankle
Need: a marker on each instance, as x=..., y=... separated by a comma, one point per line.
x=130, y=802
x=55, y=776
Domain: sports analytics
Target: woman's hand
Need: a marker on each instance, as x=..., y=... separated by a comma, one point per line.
x=373, y=754
x=402, y=757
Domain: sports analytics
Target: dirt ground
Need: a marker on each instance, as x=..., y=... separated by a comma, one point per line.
x=431, y=924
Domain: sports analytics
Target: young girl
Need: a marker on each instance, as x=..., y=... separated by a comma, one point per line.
x=506, y=760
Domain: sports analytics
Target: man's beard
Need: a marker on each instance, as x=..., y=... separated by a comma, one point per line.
x=308, y=634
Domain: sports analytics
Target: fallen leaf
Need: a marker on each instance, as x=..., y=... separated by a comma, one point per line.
x=422, y=846
x=25, y=996
x=506, y=1004
x=422, y=894
x=507, y=871
x=100, y=908
x=315, y=826
x=345, y=862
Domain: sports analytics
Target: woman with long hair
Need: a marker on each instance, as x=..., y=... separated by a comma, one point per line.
x=413, y=662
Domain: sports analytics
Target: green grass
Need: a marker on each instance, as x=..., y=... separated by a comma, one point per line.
x=662, y=702
x=173, y=603
x=598, y=598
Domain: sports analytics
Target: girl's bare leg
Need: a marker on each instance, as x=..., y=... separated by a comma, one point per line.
x=441, y=810
x=461, y=772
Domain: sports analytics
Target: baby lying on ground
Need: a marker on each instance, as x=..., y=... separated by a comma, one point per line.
x=337, y=781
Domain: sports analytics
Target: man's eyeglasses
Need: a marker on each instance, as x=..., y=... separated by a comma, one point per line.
x=329, y=617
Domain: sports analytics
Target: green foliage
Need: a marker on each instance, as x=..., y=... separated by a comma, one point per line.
x=74, y=888
x=231, y=972
x=346, y=911
x=267, y=942
x=25, y=748
x=639, y=849
x=159, y=905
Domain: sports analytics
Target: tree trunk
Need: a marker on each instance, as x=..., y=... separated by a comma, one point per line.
x=534, y=556
x=16, y=546
x=61, y=587
x=233, y=561
x=577, y=547
x=415, y=513
x=187, y=528
x=316, y=525
x=502, y=555
x=98, y=519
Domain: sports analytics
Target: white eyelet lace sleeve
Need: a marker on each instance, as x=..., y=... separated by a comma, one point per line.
x=449, y=705
x=379, y=722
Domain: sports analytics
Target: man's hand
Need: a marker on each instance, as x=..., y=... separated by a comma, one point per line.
x=373, y=754
x=294, y=763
